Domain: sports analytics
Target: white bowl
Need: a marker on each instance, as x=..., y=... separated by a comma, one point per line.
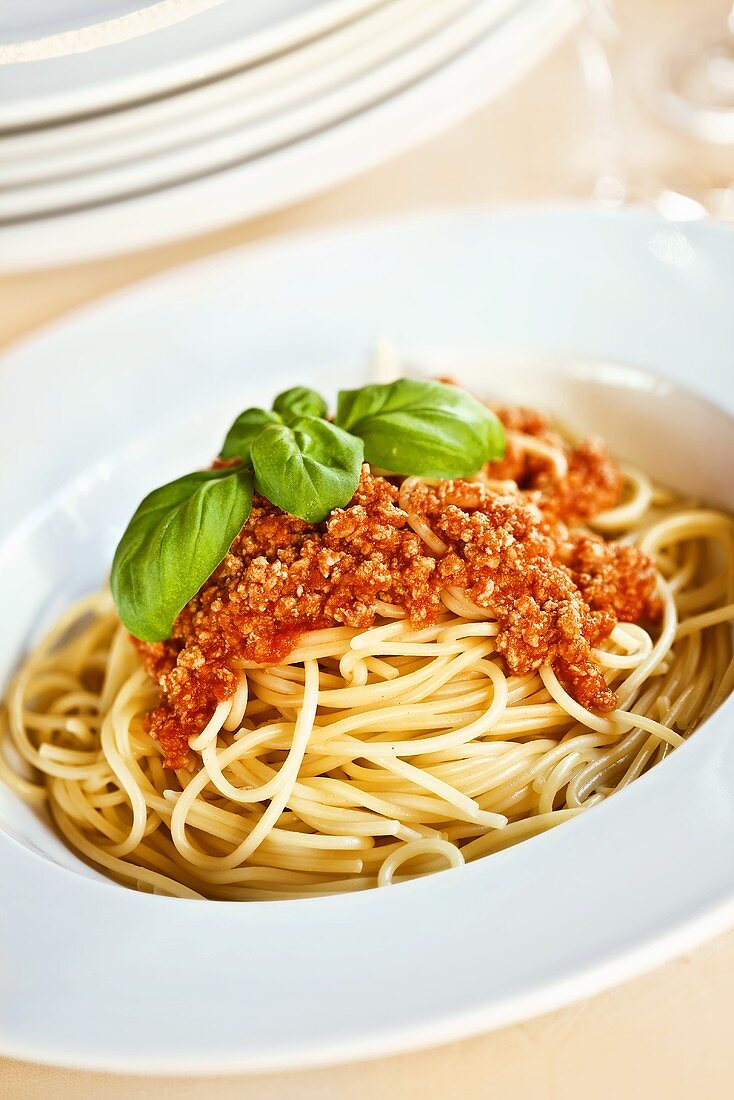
x=558, y=309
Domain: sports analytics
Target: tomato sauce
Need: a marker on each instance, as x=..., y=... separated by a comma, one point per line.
x=554, y=592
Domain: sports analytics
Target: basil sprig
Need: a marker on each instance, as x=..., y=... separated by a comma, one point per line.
x=173, y=543
x=287, y=407
x=298, y=402
x=244, y=432
x=307, y=469
x=422, y=428
x=301, y=462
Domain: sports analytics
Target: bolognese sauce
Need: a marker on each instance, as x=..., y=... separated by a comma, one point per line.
x=555, y=592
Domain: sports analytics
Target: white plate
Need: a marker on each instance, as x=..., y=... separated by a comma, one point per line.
x=230, y=106
x=39, y=30
x=133, y=390
x=300, y=169
x=34, y=20
x=423, y=39
x=197, y=42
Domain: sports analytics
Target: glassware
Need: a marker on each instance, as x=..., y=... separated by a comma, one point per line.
x=696, y=81
x=661, y=92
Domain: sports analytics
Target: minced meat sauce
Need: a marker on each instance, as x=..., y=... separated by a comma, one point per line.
x=554, y=592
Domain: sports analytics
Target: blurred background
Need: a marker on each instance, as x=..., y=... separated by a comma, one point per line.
x=139, y=135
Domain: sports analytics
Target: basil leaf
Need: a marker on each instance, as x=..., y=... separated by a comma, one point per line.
x=307, y=469
x=173, y=543
x=422, y=428
x=298, y=402
x=246, y=427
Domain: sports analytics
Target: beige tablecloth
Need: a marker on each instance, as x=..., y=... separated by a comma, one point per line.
x=667, y=1033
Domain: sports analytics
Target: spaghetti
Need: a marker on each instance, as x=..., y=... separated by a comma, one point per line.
x=395, y=741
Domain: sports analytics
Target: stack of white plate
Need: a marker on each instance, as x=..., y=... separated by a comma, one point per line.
x=125, y=123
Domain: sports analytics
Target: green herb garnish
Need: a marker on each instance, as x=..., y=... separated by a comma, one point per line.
x=298, y=402
x=299, y=461
x=245, y=430
x=173, y=543
x=422, y=428
x=308, y=469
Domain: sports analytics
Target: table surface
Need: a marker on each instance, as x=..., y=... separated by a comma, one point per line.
x=665, y=1033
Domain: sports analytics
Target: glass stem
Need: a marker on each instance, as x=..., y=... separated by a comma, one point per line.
x=596, y=35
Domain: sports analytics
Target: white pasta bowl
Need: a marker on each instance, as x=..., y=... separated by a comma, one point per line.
x=622, y=324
